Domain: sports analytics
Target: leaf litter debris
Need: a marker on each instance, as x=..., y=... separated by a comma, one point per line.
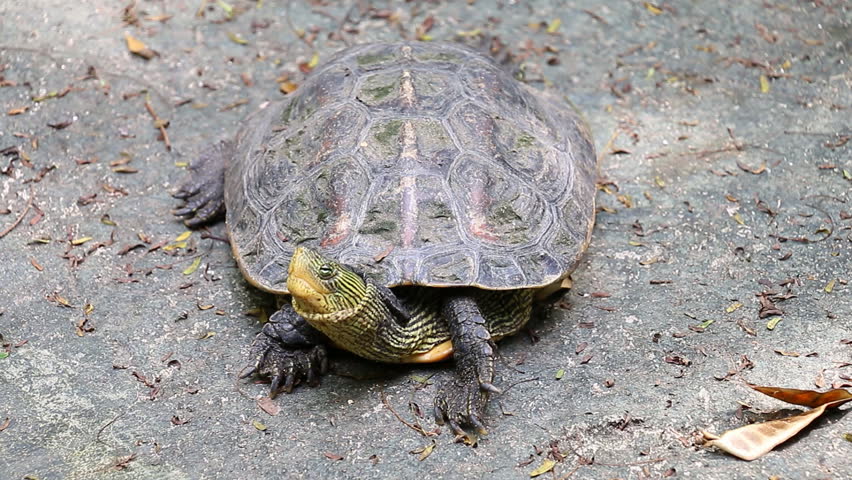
x=753, y=441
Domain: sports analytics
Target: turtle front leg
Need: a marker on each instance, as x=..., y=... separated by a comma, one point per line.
x=289, y=351
x=461, y=402
x=203, y=192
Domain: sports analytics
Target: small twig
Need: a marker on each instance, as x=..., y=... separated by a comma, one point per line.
x=101, y=430
x=158, y=123
x=520, y=382
x=293, y=27
x=609, y=144
x=830, y=221
x=631, y=464
x=571, y=473
x=21, y=216
x=416, y=428
x=819, y=134
x=343, y=24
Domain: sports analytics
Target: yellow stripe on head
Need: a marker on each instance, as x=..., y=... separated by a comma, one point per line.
x=321, y=285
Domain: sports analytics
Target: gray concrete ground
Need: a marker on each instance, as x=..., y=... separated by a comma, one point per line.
x=723, y=128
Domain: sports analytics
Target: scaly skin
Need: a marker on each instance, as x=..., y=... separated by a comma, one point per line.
x=349, y=310
x=203, y=192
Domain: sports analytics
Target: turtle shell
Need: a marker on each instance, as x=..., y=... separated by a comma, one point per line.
x=419, y=163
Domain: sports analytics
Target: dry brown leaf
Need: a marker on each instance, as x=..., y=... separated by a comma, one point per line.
x=754, y=441
x=269, y=406
x=287, y=87
x=138, y=48
x=805, y=398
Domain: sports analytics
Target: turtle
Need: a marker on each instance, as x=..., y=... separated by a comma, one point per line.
x=410, y=202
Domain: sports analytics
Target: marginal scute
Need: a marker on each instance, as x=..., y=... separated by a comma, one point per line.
x=497, y=268
x=419, y=163
x=457, y=267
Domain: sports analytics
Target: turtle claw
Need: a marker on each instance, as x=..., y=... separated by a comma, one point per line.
x=247, y=372
x=456, y=428
x=461, y=403
x=489, y=387
x=286, y=366
x=476, y=423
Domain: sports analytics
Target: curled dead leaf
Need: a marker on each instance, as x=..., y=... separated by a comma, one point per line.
x=137, y=47
x=754, y=441
x=806, y=398
x=546, y=466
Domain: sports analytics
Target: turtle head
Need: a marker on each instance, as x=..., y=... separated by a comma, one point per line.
x=321, y=286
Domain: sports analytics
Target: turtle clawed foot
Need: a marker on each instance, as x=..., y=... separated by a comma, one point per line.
x=461, y=405
x=203, y=192
x=286, y=367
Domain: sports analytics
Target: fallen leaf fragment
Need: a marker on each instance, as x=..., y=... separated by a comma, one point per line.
x=554, y=25
x=17, y=111
x=753, y=441
x=193, y=267
x=259, y=426
x=226, y=7
x=136, y=47
x=546, y=466
x=333, y=456
x=269, y=406
x=653, y=8
x=733, y=307
x=772, y=323
x=314, y=61
x=805, y=398
x=738, y=218
x=237, y=38
x=287, y=87
x=178, y=421
x=785, y=353
x=764, y=84
x=828, y=288
x=423, y=452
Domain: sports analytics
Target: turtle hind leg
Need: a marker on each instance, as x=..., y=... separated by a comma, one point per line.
x=461, y=402
x=203, y=192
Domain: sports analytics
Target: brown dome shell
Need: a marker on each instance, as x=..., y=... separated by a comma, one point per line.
x=420, y=163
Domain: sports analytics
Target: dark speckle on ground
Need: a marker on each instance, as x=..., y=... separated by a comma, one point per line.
x=724, y=136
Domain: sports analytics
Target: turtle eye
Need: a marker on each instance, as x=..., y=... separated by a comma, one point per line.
x=325, y=271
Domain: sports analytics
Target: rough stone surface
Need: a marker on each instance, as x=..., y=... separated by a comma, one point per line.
x=661, y=88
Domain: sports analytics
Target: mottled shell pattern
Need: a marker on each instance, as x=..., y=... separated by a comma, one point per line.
x=419, y=163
